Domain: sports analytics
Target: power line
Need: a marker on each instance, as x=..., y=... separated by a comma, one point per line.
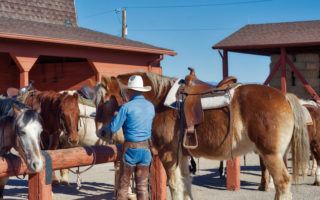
x=198, y=5
x=100, y=13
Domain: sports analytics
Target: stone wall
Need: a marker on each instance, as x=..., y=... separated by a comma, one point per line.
x=308, y=65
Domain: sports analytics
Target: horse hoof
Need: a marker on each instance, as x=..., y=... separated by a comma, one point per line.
x=64, y=183
x=316, y=183
x=263, y=188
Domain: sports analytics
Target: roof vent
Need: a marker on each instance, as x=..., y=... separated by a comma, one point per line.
x=68, y=22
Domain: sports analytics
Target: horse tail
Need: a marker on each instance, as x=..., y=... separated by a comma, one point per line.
x=300, y=139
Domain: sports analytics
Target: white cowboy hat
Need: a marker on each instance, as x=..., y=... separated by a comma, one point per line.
x=135, y=82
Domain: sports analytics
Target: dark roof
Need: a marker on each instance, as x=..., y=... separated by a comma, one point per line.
x=267, y=39
x=45, y=32
x=47, y=11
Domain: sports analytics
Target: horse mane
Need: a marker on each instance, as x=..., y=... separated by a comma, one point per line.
x=159, y=82
x=7, y=104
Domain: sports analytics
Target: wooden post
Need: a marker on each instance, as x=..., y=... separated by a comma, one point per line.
x=38, y=189
x=158, y=181
x=283, y=56
x=233, y=174
x=124, y=23
x=24, y=78
x=233, y=166
x=273, y=72
x=225, y=67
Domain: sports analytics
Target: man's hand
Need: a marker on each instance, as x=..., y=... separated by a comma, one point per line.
x=104, y=133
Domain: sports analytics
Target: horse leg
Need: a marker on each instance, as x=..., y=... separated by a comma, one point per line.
x=280, y=175
x=221, y=169
x=186, y=178
x=3, y=182
x=64, y=173
x=317, y=174
x=314, y=167
x=264, y=186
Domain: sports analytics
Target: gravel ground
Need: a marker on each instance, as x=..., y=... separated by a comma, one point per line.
x=206, y=185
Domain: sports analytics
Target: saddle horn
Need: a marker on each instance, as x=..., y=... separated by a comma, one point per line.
x=192, y=71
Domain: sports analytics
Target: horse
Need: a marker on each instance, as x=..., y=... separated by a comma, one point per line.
x=60, y=112
x=314, y=140
x=87, y=131
x=20, y=128
x=262, y=119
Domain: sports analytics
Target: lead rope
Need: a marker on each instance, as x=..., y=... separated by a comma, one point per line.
x=78, y=172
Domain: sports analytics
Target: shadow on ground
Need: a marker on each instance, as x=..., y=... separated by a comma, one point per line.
x=88, y=191
x=212, y=180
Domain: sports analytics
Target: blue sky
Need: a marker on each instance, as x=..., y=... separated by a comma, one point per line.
x=181, y=29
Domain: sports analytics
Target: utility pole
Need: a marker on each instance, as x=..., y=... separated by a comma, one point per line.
x=124, y=23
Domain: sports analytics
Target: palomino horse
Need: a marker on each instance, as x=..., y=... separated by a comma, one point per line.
x=60, y=112
x=314, y=140
x=262, y=119
x=20, y=128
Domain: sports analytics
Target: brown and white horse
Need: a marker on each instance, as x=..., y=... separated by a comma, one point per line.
x=263, y=120
x=20, y=128
x=60, y=112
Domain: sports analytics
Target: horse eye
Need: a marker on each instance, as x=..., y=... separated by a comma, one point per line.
x=22, y=133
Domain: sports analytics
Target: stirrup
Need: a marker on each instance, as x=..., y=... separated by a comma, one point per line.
x=190, y=139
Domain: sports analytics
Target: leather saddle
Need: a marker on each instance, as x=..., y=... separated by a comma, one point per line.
x=86, y=92
x=193, y=91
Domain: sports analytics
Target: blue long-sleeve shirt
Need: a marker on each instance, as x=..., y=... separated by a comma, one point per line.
x=135, y=117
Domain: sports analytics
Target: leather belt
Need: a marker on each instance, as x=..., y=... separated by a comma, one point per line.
x=134, y=145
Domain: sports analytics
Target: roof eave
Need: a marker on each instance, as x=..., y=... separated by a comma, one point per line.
x=86, y=44
x=265, y=46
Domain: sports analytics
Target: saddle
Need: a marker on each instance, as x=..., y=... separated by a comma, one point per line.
x=192, y=108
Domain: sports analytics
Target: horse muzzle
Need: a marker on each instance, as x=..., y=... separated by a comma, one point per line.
x=35, y=165
x=73, y=140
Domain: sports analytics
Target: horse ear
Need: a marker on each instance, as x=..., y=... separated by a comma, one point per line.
x=17, y=111
x=75, y=95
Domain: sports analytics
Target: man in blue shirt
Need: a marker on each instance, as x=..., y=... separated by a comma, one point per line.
x=135, y=117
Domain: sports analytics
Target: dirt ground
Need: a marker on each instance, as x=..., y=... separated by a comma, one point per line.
x=97, y=183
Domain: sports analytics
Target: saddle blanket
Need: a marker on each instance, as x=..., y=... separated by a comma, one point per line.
x=87, y=111
x=219, y=101
x=306, y=111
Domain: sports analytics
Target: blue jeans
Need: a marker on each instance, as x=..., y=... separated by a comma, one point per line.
x=137, y=156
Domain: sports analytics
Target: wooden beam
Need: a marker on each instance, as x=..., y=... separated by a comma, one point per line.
x=63, y=159
x=273, y=72
x=307, y=86
x=24, y=62
x=283, y=56
x=97, y=70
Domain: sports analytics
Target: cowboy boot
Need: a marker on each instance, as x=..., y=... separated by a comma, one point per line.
x=142, y=179
x=126, y=173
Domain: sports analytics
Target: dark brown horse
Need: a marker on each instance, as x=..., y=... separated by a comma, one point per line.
x=262, y=119
x=60, y=112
